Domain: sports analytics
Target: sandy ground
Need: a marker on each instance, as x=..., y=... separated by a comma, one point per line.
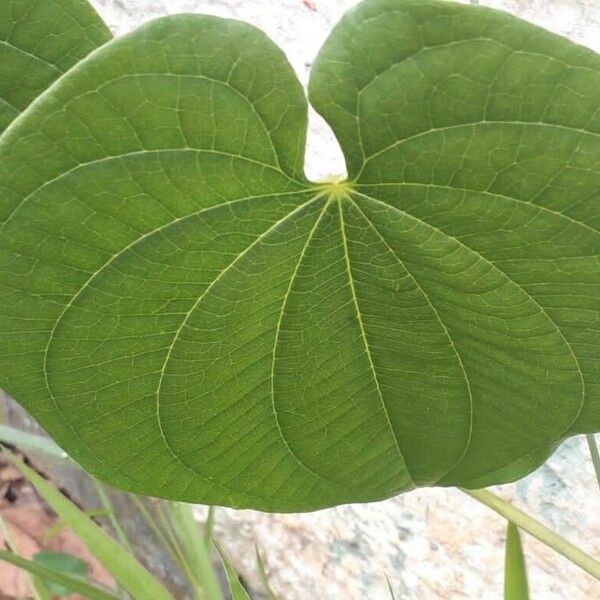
x=430, y=543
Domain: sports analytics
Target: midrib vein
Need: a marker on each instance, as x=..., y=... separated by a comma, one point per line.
x=275, y=343
x=136, y=153
x=110, y=262
x=507, y=277
x=473, y=124
x=218, y=278
x=496, y=195
x=365, y=340
x=442, y=324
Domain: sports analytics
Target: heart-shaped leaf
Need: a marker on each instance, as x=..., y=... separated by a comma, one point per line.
x=191, y=318
x=39, y=41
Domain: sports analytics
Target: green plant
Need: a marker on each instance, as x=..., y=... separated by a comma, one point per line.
x=173, y=283
x=516, y=586
x=39, y=41
x=66, y=564
x=129, y=574
x=173, y=523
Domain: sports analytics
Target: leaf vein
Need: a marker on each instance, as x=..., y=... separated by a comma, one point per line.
x=512, y=281
x=441, y=322
x=365, y=340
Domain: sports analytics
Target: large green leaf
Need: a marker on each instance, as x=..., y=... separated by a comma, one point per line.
x=191, y=318
x=39, y=41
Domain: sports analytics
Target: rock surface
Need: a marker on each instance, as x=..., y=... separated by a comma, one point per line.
x=434, y=543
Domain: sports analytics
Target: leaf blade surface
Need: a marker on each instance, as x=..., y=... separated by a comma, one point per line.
x=466, y=122
x=39, y=41
x=201, y=323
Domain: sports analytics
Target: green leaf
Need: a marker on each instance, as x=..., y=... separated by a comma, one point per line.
x=264, y=577
x=473, y=141
x=124, y=568
x=39, y=41
x=40, y=589
x=190, y=318
x=60, y=525
x=238, y=591
x=209, y=526
x=64, y=579
x=62, y=563
x=196, y=551
x=31, y=442
x=595, y=456
x=515, y=571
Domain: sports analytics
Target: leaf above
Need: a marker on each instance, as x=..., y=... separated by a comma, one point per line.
x=191, y=318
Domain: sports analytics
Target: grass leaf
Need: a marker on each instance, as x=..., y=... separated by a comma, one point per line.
x=125, y=569
x=390, y=589
x=66, y=580
x=593, y=446
x=196, y=551
x=238, y=591
x=31, y=442
x=263, y=574
x=62, y=562
x=515, y=571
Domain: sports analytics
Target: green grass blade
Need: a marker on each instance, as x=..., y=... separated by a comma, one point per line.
x=61, y=562
x=125, y=569
x=238, y=591
x=263, y=574
x=209, y=527
x=72, y=583
x=196, y=552
x=60, y=525
x=110, y=510
x=156, y=529
x=40, y=591
x=390, y=589
x=515, y=571
x=40, y=588
x=545, y=535
x=591, y=440
x=166, y=524
x=31, y=443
